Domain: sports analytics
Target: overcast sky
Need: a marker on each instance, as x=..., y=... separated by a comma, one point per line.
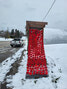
x=14, y=13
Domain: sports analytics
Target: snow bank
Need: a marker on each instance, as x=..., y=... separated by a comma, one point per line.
x=3, y=39
x=58, y=53
x=57, y=68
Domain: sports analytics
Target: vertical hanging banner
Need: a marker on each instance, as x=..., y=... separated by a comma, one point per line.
x=36, y=64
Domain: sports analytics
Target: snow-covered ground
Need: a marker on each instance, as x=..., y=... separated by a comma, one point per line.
x=57, y=67
x=3, y=39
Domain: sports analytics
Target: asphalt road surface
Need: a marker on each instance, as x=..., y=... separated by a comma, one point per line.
x=6, y=50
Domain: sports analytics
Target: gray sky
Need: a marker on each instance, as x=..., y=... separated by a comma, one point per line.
x=14, y=13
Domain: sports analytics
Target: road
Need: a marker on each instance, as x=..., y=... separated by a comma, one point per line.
x=6, y=50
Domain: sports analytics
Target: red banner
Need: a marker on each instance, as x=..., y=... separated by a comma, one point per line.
x=36, y=64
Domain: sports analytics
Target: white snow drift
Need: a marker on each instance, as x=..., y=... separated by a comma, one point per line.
x=5, y=39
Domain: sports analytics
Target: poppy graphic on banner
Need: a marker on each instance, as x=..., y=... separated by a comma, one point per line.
x=36, y=63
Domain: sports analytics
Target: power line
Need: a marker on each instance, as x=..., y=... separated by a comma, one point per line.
x=49, y=10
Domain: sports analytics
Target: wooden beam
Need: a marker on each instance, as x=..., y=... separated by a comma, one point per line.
x=35, y=24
